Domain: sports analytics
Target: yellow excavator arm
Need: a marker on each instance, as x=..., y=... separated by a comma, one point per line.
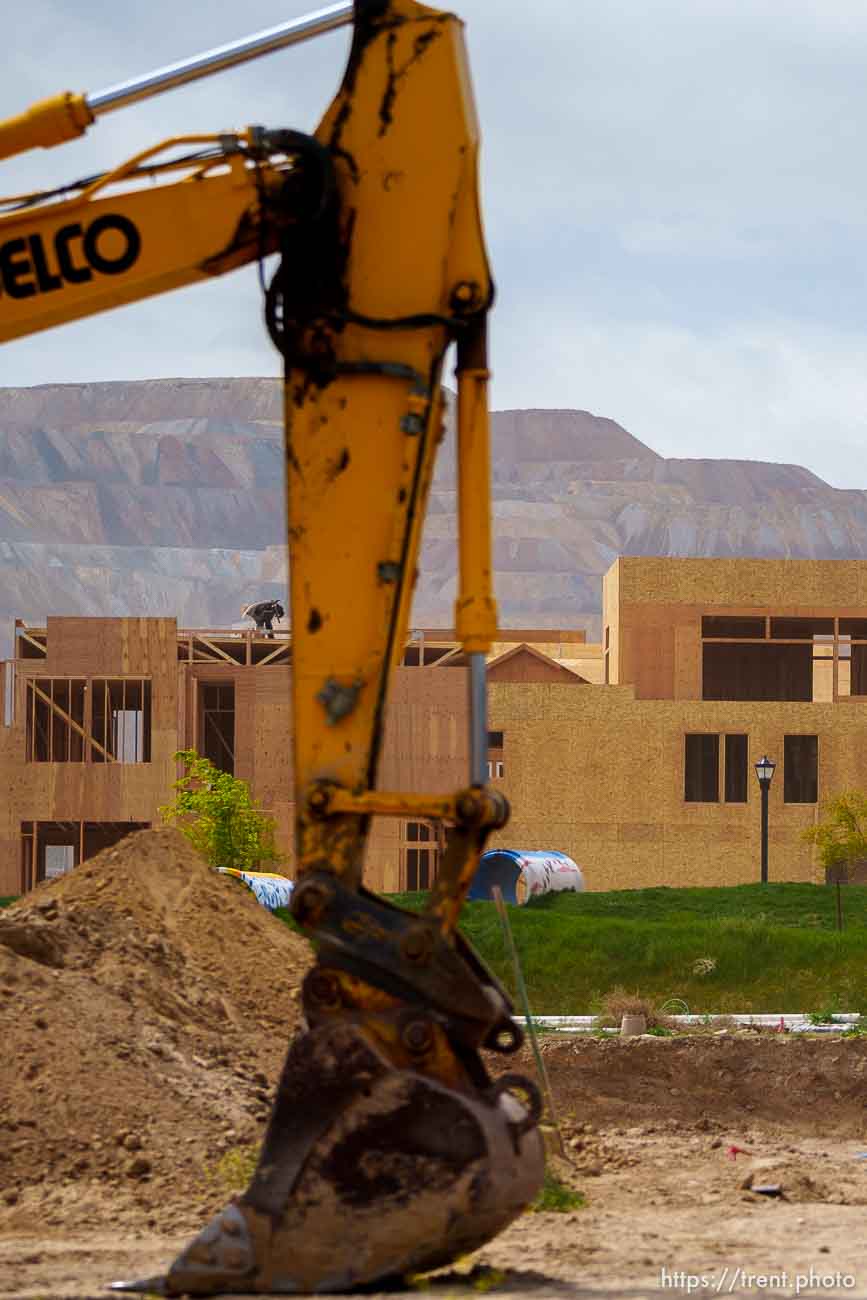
x=221, y=204
x=389, y=1149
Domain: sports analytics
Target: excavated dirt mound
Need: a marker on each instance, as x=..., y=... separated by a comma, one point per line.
x=145, y=1007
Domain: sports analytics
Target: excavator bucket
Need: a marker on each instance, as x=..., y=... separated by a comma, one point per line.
x=367, y=1174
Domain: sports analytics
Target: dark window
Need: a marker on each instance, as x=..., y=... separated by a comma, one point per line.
x=433, y=654
x=757, y=672
x=495, y=740
x=800, y=629
x=740, y=628
x=854, y=627
x=418, y=869
x=801, y=769
x=736, y=769
x=420, y=863
x=217, y=703
x=701, y=769
x=858, y=679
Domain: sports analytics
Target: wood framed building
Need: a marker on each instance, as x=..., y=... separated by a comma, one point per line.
x=635, y=757
x=93, y=711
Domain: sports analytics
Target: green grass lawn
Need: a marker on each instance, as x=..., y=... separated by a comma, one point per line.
x=772, y=948
x=740, y=948
x=4, y=902
x=809, y=906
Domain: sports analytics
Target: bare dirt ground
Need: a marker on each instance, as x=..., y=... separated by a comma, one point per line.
x=145, y=1005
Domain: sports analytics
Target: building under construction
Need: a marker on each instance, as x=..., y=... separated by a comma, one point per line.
x=94, y=711
x=708, y=666
x=635, y=757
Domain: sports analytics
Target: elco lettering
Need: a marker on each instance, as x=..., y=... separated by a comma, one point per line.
x=27, y=268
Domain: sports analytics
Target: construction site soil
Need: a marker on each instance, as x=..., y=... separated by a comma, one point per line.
x=145, y=1007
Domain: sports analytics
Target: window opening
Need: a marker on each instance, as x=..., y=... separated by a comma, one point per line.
x=714, y=625
x=217, y=704
x=55, y=720
x=50, y=849
x=701, y=769
x=121, y=720
x=756, y=671
x=823, y=668
x=420, y=863
x=854, y=680
x=800, y=769
x=736, y=769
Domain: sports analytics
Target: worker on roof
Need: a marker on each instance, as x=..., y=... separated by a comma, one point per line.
x=263, y=615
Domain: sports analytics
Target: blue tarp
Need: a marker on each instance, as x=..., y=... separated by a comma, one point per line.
x=271, y=891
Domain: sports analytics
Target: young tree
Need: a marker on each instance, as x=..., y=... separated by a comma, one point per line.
x=216, y=814
x=841, y=837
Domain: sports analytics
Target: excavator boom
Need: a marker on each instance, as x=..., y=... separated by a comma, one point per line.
x=98, y=248
x=390, y=1150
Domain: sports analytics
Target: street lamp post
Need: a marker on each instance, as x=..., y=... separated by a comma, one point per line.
x=765, y=773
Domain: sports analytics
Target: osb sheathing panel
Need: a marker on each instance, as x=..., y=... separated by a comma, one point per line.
x=570, y=754
x=145, y=646
x=653, y=609
x=273, y=773
x=762, y=584
x=245, y=726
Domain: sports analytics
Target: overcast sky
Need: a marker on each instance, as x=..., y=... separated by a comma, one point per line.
x=675, y=196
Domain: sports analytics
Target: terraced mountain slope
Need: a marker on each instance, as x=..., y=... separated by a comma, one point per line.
x=163, y=497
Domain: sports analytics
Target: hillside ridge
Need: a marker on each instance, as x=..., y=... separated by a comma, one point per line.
x=163, y=496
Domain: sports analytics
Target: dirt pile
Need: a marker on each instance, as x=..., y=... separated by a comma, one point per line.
x=145, y=1007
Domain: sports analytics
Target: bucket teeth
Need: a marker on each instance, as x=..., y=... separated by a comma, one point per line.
x=220, y=1258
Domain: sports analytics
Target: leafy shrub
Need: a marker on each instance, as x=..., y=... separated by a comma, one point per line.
x=218, y=816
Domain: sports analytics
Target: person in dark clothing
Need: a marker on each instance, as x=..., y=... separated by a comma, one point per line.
x=264, y=614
